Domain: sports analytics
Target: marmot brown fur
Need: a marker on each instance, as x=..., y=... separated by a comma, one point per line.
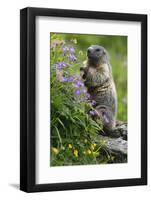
x=98, y=79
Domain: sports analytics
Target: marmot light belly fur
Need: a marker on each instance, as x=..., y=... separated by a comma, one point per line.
x=98, y=79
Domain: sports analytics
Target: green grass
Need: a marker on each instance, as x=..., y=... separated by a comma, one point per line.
x=74, y=134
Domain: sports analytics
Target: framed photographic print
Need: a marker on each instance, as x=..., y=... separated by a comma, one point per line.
x=83, y=99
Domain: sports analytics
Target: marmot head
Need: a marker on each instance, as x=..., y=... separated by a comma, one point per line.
x=97, y=54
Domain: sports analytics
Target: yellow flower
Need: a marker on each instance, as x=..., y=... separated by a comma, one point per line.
x=69, y=146
x=75, y=152
x=88, y=151
x=55, y=150
x=93, y=146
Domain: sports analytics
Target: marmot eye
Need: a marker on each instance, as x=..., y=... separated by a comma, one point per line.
x=98, y=50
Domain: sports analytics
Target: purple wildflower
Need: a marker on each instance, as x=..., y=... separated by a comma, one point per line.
x=70, y=79
x=88, y=95
x=78, y=92
x=72, y=57
x=92, y=112
x=93, y=102
x=61, y=65
x=78, y=84
x=65, y=79
x=64, y=49
x=105, y=117
x=71, y=49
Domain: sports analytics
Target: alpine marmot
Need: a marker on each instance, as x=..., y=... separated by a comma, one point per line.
x=98, y=79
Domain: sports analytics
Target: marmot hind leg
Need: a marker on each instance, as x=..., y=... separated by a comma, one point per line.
x=108, y=121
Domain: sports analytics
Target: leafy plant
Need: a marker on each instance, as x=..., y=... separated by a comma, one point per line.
x=74, y=133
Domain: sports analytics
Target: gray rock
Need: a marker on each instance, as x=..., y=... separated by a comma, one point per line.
x=117, y=146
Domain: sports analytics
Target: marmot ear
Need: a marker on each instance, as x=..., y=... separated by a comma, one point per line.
x=106, y=53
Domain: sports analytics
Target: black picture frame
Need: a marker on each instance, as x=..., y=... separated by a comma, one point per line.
x=28, y=99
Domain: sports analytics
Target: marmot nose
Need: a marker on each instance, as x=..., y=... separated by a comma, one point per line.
x=89, y=51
